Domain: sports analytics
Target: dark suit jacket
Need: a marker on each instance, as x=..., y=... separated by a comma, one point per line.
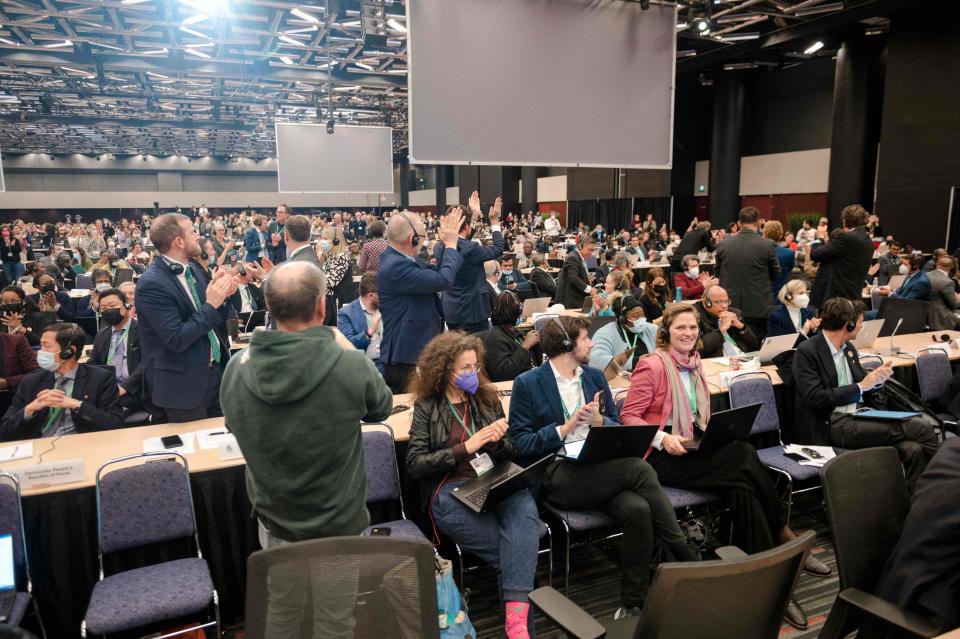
x=915, y=287
x=505, y=358
x=17, y=358
x=253, y=243
x=844, y=261
x=943, y=302
x=536, y=410
x=544, y=282
x=817, y=390
x=308, y=254
x=256, y=296
x=408, y=303
x=712, y=338
x=572, y=281
x=101, y=355
x=889, y=266
x=747, y=264
x=461, y=304
x=95, y=387
x=779, y=322
x=693, y=242
x=352, y=322
x=277, y=253
x=514, y=277
x=173, y=337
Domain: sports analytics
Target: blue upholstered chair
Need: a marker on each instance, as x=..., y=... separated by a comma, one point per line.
x=139, y=505
x=383, y=479
x=11, y=522
x=934, y=375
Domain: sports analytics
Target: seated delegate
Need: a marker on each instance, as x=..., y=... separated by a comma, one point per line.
x=692, y=281
x=631, y=330
x=794, y=314
x=722, y=330
x=118, y=345
x=459, y=428
x=668, y=388
x=65, y=397
x=508, y=353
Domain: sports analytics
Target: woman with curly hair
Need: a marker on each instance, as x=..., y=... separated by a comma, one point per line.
x=459, y=427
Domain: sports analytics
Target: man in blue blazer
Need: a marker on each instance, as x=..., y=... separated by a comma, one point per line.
x=463, y=309
x=183, y=343
x=915, y=287
x=359, y=321
x=560, y=402
x=407, y=291
x=255, y=239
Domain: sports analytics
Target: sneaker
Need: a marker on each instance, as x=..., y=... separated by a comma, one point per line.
x=623, y=612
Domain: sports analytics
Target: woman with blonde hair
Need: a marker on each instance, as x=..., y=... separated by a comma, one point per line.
x=773, y=230
x=333, y=254
x=794, y=314
x=617, y=284
x=458, y=427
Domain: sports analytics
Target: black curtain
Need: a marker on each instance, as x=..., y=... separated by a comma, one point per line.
x=582, y=211
x=616, y=214
x=659, y=206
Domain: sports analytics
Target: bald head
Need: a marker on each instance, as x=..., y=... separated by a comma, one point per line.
x=716, y=300
x=295, y=293
x=401, y=229
x=945, y=263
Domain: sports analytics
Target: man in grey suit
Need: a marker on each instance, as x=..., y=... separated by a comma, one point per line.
x=942, y=313
x=748, y=265
x=296, y=234
x=574, y=282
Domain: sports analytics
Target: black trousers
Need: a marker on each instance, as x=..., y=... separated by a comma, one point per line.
x=398, y=376
x=915, y=440
x=627, y=490
x=470, y=329
x=735, y=472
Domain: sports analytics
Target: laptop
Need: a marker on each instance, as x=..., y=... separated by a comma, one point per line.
x=726, y=427
x=8, y=583
x=498, y=483
x=587, y=305
x=609, y=442
x=868, y=334
x=534, y=305
x=896, y=281
x=773, y=346
x=252, y=319
x=617, y=363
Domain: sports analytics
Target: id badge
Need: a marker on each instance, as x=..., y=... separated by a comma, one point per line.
x=481, y=464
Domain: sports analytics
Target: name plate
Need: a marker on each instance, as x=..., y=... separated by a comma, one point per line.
x=229, y=450
x=52, y=473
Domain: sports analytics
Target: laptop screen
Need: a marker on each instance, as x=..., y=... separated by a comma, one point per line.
x=7, y=580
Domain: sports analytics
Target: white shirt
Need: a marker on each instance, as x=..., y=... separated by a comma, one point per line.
x=495, y=287
x=373, y=348
x=838, y=361
x=245, y=305
x=551, y=226
x=571, y=396
x=182, y=278
x=795, y=318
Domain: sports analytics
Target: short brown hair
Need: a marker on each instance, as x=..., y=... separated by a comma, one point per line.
x=838, y=311
x=773, y=230
x=670, y=314
x=748, y=215
x=368, y=283
x=376, y=229
x=165, y=229
x=298, y=228
x=552, y=336
x=853, y=216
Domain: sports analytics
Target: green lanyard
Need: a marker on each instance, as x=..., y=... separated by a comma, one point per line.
x=460, y=420
x=563, y=404
x=627, y=335
x=691, y=394
x=120, y=338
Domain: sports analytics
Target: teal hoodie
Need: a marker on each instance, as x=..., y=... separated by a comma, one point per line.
x=295, y=402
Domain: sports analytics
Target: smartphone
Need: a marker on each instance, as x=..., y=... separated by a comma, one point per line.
x=380, y=532
x=171, y=441
x=399, y=408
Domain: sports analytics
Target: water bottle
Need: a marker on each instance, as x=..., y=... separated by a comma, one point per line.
x=678, y=295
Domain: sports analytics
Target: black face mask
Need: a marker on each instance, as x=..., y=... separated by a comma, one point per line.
x=11, y=308
x=659, y=288
x=48, y=288
x=112, y=316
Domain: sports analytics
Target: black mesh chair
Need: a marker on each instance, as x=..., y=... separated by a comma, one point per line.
x=699, y=599
x=343, y=586
x=867, y=502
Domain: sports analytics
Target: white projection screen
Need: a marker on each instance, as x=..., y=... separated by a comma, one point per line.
x=355, y=159
x=542, y=82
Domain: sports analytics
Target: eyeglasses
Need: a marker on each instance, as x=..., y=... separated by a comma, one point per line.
x=469, y=369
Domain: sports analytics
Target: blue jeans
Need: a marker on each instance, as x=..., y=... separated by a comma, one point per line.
x=12, y=270
x=507, y=536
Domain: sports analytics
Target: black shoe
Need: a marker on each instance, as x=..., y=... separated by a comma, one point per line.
x=795, y=616
x=815, y=567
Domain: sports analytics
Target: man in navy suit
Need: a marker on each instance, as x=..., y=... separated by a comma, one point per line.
x=407, y=291
x=63, y=396
x=182, y=338
x=560, y=402
x=463, y=309
x=255, y=239
x=916, y=286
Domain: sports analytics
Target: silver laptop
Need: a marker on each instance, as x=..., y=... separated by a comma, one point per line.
x=868, y=334
x=896, y=281
x=773, y=346
x=534, y=305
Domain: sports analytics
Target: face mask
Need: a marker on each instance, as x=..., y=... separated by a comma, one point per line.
x=468, y=382
x=5, y=234
x=112, y=316
x=47, y=361
x=102, y=286
x=904, y=269
x=802, y=300
x=694, y=272
x=638, y=325
x=325, y=245
x=11, y=308
x=48, y=288
x=659, y=289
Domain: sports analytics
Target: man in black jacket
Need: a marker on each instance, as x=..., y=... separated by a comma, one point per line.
x=747, y=265
x=508, y=354
x=540, y=278
x=573, y=284
x=694, y=241
x=844, y=260
x=831, y=384
x=722, y=329
x=118, y=344
x=65, y=397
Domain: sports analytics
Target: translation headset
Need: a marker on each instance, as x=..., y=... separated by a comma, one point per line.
x=706, y=301
x=566, y=346
x=175, y=268
x=76, y=333
x=788, y=296
x=852, y=324
x=415, y=240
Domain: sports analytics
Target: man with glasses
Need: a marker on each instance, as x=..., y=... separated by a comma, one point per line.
x=722, y=330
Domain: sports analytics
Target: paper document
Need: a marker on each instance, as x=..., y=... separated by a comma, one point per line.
x=154, y=445
x=812, y=455
x=20, y=451
x=210, y=438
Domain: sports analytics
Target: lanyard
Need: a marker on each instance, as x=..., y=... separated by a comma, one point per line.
x=563, y=404
x=461, y=420
x=120, y=338
x=627, y=335
x=691, y=393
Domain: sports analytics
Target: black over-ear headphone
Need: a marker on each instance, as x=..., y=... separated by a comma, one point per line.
x=75, y=334
x=852, y=324
x=566, y=346
x=175, y=268
x=706, y=301
x=415, y=241
x=788, y=296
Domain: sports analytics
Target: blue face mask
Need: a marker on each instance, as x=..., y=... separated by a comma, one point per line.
x=47, y=360
x=638, y=325
x=468, y=382
x=325, y=245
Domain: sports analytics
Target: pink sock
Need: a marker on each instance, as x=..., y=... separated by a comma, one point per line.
x=516, y=626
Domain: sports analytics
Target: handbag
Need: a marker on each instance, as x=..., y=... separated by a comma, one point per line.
x=453, y=619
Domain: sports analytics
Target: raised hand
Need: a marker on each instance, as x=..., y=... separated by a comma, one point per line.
x=495, y=210
x=450, y=227
x=474, y=204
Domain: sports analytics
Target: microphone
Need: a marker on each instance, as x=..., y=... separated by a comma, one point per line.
x=893, y=350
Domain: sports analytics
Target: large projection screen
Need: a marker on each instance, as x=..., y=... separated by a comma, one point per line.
x=542, y=82
x=355, y=159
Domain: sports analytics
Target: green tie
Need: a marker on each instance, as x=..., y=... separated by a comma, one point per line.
x=53, y=416
x=842, y=378
x=214, y=342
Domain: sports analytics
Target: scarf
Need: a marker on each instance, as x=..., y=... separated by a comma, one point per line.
x=673, y=363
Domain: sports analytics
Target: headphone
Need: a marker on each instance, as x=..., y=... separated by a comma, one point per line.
x=76, y=333
x=852, y=324
x=705, y=300
x=788, y=296
x=176, y=269
x=566, y=346
x=415, y=240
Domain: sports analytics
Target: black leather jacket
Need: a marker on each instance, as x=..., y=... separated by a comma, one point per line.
x=429, y=459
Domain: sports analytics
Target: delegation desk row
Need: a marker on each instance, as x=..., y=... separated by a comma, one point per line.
x=61, y=523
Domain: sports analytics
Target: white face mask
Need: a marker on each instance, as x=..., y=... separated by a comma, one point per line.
x=802, y=300
x=694, y=272
x=47, y=360
x=904, y=269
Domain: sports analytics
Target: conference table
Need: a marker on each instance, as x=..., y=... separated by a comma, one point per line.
x=61, y=525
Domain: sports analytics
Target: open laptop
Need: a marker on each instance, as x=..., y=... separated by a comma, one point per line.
x=498, y=483
x=773, y=346
x=617, y=363
x=896, y=281
x=726, y=427
x=8, y=582
x=868, y=334
x=610, y=441
x=251, y=320
x=534, y=305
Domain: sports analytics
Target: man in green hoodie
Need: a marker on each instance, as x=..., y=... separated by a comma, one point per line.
x=294, y=399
